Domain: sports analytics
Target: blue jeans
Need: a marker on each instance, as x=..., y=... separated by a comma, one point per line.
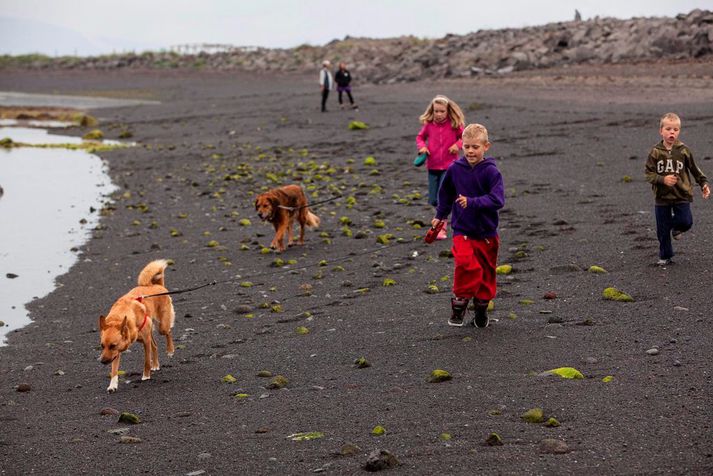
x=435, y=178
x=670, y=218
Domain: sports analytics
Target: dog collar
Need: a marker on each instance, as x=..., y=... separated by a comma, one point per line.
x=146, y=316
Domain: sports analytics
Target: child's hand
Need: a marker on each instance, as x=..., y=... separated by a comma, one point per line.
x=424, y=150
x=462, y=201
x=706, y=191
x=670, y=180
x=453, y=149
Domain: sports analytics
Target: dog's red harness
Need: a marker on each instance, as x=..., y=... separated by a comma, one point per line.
x=146, y=316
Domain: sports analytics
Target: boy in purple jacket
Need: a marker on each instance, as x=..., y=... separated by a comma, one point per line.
x=473, y=190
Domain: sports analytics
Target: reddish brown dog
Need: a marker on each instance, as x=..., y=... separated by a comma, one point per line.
x=281, y=206
x=131, y=319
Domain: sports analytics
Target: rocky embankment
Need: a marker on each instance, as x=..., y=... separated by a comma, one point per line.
x=404, y=59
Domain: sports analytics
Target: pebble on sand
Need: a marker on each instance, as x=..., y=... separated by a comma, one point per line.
x=553, y=446
x=24, y=387
x=379, y=460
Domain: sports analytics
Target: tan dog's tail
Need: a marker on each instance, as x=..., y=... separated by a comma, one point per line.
x=153, y=273
x=312, y=219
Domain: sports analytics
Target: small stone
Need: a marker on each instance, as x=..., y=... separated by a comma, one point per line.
x=243, y=309
x=362, y=363
x=349, y=449
x=24, y=387
x=494, y=439
x=11, y=275
x=262, y=430
x=552, y=422
x=196, y=473
x=204, y=455
x=129, y=439
x=534, y=415
x=131, y=418
x=28, y=368
x=378, y=430
x=264, y=374
x=680, y=308
x=553, y=446
x=59, y=373
x=439, y=375
x=277, y=382
x=591, y=360
x=109, y=411
x=555, y=320
x=676, y=363
x=550, y=295
x=653, y=351
x=118, y=431
x=379, y=460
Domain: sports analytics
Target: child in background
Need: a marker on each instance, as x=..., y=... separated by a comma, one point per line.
x=667, y=170
x=473, y=191
x=440, y=138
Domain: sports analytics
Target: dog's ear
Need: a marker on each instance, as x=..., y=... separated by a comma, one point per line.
x=125, y=328
x=102, y=322
x=256, y=202
x=274, y=202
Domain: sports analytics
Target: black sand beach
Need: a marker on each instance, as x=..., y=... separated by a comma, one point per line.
x=571, y=145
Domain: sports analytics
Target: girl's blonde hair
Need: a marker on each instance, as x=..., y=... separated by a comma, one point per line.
x=455, y=114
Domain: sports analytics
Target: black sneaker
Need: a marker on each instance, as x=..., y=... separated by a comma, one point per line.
x=481, y=314
x=459, y=306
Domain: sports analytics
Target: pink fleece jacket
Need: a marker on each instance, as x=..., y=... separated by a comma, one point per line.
x=440, y=138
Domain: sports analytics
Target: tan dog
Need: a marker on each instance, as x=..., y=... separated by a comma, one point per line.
x=131, y=319
x=280, y=206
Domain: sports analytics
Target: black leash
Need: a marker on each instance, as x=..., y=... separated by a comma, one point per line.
x=181, y=291
x=309, y=204
x=335, y=260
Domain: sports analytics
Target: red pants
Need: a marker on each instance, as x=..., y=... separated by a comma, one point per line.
x=475, y=260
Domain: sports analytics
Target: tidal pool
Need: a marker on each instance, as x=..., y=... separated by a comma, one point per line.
x=45, y=212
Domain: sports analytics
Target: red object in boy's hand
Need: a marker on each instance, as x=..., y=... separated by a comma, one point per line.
x=433, y=232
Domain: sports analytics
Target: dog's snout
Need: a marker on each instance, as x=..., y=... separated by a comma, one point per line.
x=104, y=360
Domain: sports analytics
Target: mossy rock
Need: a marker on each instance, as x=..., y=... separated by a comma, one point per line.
x=6, y=143
x=130, y=418
x=494, y=439
x=504, y=269
x=607, y=379
x=86, y=120
x=378, y=430
x=533, y=415
x=432, y=289
x=613, y=294
x=229, y=379
x=439, y=375
x=246, y=284
x=389, y=282
x=212, y=244
x=362, y=363
x=552, y=422
x=626, y=179
x=244, y=222
x=302, y=330
x=597, y=269
x=445, y=437
x=94, y=134
x=358, y=125
x=264, y=374
x=565, y=372
x=277, y=382
x=312, y=435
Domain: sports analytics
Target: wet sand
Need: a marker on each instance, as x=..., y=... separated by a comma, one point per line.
x=565, y=142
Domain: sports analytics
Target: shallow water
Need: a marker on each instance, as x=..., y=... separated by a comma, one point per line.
x=47, y=193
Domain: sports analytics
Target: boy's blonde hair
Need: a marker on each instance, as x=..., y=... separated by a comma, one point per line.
x=455, y=114
x=476, y=131
x=669, y=116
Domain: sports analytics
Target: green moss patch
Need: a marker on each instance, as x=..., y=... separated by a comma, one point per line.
x=439, y=375
x=533, y=415
x=613, y=294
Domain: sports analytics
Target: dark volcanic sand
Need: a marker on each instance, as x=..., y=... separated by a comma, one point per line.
x=565, y=139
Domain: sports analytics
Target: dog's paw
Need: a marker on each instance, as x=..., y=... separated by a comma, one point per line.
x=113, y=384
x=170, y=354
x=154, y=369
x=145, y=377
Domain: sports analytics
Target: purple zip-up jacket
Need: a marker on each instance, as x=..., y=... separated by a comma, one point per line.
x=482, y=184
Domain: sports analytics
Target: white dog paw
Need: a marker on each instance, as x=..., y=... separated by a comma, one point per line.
x=113, y=384
x=170, y=354
x=145, y=377
x=153, y=369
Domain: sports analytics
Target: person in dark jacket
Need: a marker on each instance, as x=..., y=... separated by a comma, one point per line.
x=667, y=170
x=472, y=190
x=343, y=79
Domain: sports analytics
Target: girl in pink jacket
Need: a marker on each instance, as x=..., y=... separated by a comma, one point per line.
x=440, y=139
